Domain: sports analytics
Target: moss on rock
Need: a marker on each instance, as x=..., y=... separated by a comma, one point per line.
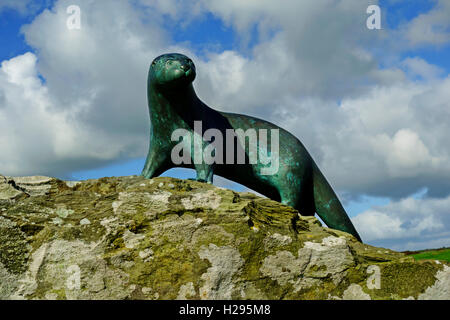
x=165, y=238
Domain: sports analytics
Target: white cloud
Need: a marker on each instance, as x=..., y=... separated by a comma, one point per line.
x=417, y=67
x=92, y=108
x=405, y=154
x=377, y=225
x=407, y=224
x=430, y=28
x=225, y=75
x=37, y=137
x=305, y=47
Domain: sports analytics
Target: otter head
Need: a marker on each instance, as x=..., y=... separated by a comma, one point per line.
x=171, y=71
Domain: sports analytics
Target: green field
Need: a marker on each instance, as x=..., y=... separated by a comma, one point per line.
x=438, y=254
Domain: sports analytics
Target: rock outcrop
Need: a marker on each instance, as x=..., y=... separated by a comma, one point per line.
x=165, y=238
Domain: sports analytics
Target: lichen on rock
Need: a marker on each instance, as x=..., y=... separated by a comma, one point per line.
x=166, y=238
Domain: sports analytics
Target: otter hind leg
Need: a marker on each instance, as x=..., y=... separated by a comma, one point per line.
x=300, y=199
x=328, y=206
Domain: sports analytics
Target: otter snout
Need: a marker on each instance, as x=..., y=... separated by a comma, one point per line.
x=188, y=67
x=185, y=66
x=172, y=69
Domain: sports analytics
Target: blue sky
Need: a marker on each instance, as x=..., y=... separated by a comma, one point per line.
x=12, y=41
x=397, y=12
x=216, y=33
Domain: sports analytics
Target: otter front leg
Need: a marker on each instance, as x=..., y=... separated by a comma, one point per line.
x=156, y=163
x=204, y=172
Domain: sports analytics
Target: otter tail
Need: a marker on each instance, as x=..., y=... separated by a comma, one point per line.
x=328, y=206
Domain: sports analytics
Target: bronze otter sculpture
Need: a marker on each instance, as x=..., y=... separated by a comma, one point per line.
x=173, y=104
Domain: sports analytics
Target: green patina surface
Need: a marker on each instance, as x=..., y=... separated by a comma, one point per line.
x=291, y=177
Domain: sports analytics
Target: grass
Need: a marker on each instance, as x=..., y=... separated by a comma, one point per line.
x=436, y=254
